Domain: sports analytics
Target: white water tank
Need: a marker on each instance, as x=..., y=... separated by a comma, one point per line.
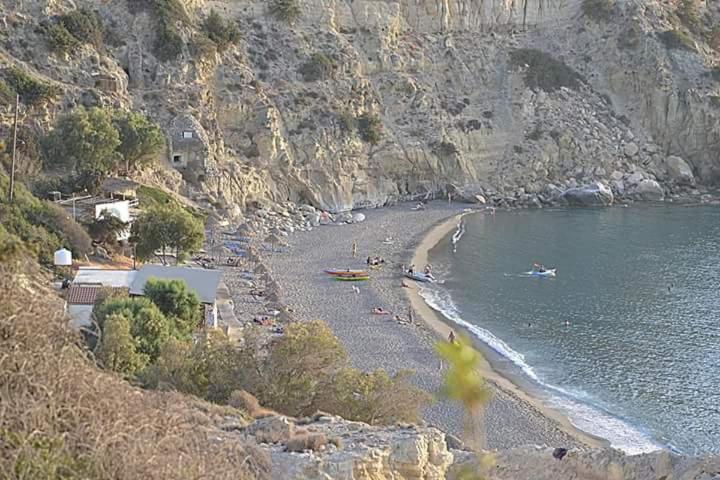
x=63, y=257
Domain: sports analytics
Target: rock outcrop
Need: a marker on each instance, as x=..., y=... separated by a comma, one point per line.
x=593, y=195
x=350, y=450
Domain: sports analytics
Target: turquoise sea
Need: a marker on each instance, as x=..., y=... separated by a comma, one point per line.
x=639, y=362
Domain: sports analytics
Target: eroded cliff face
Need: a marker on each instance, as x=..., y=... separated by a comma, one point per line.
x=514, y=100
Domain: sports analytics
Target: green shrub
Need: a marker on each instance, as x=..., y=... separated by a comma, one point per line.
x=598, y=10
x=85, y=25
x=304, y=370
x=285, y=10
x=148, y=326
x=31, y=90
x=687, y=12
x=370, y=128
x=55, y=218
x=445, y=149
x=219, y=31
x=153, y=198
x=201, y=47
x=677, y=40
x=177, y=302
x=41, y=226
x=543, y=71
x=347, y=122
x=318, y=67
x=59, y=39
x=168, y=43
x=7, y=94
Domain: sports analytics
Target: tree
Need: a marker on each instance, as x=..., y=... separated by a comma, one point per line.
x=83, y=140
x=205, y=369
x=148, y=326
x=300, y=361
x=106, y=229
x=178, y=303
x=166, y=228
x=117, y=351
x=140, y=138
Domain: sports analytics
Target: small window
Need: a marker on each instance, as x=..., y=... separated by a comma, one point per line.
x=177, y=158
x=187, y=134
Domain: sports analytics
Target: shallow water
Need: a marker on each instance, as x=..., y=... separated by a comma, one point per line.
x=639, y=363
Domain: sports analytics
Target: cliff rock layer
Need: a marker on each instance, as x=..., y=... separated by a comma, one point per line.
x=359, y=102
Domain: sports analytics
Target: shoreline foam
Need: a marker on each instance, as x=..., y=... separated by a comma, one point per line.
x=442, y=327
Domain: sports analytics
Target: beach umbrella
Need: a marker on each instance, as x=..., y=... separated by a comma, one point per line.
x=260, y=269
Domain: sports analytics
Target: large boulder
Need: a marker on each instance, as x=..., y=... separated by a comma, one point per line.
x=679, y=170
x=593, y=195
x=648, y=190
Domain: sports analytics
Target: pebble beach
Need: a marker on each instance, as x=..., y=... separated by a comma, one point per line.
x=401, y=236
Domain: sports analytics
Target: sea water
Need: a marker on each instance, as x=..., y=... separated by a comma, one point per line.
x=625, y=340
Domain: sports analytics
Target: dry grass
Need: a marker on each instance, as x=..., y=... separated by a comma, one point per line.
x=61, y=417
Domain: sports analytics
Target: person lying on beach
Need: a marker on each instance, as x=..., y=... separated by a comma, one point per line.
x=257, y=293
x=380, y=311
x=262, y=320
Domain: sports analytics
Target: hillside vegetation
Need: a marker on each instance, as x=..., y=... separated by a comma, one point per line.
x=62, y=418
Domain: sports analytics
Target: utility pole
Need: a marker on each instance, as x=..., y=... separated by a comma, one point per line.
x=14, y=147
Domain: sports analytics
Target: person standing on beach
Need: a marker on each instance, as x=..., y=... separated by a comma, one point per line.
x=451, y=337
x=354, y=249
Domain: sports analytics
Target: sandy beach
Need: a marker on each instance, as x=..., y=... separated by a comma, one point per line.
x=401, y=236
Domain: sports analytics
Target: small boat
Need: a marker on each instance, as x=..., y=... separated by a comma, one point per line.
x=345, y=272
x=550, y=272
x=351, y=278
x=420, y=277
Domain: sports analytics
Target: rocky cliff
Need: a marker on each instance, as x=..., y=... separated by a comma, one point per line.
x=327, y=447
x=360, y=102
